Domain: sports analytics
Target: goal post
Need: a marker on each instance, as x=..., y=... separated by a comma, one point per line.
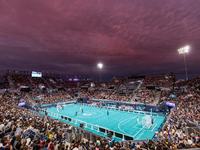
x=146, y=121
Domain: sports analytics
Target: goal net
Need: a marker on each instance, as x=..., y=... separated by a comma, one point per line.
x=146, y=121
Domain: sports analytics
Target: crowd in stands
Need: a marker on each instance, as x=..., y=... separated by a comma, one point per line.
x=119, y=97
x=131, y=85
x=103, y=94
x=5, y=83
x=116, y=81
x=167, y=96
x=20, y=80
x=16, y=122
x=185, y=114
x=51, y=81
x=43, y=98
x=85, y=93
x=33, y=82
x=145, y=96
x=26, y=79
x=159, y=80
x=38, y=83
x=76, y=84
x=193, y=83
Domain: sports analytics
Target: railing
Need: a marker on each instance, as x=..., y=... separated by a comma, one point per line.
x=124, y=110
x=193, y=130
x=68, y=136
x=55, y=104
x=94, y=128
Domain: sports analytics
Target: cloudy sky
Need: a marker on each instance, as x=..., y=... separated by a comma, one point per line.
x=71, y=36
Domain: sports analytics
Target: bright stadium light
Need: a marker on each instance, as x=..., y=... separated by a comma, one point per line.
x=100, y=65
x=184, y=50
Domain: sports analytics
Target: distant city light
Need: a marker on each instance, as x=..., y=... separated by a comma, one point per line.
x=100, y=65
x=183, y=50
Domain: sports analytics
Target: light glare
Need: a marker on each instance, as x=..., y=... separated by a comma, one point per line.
x=100, y=65
x=183, y=50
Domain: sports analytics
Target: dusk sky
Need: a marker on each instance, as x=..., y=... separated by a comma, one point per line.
x=72, y=36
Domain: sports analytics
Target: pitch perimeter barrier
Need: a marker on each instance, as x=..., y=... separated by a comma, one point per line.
x=90, y=127
x=55, y=104
x=135, y=105
x=69, y=136
x=126, y=110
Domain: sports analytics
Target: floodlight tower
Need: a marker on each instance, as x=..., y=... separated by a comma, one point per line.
x=100, y=65
x=184, y=50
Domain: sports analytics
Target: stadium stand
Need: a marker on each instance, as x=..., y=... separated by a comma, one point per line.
x=24, y=129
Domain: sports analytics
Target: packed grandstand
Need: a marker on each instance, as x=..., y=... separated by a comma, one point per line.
x=24, y=128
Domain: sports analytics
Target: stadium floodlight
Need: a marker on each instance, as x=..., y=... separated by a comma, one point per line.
x=100, y=65
x=184, y=50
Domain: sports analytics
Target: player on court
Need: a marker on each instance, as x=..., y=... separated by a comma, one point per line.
x=76, y=113
x=80, y=108
x=58, y=110
x=138, y=120
x=152, y=121
x=107, y=113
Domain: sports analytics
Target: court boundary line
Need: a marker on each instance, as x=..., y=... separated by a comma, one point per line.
x=138, y=132
x=123, y=132
x=121, y=129
x=91, y=117
x=136, y=125
x=154, y=127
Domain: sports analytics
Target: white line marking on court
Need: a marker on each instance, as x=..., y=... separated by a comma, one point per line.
x=140, y=135
x=138, y=132
x=123, y=121
x=73, y=106
x=92, y=114
x=137, y=127
x=137, y=124
x=154, y=127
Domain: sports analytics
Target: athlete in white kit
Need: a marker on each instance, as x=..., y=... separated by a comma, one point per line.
x=80, y=108
x=58, y=110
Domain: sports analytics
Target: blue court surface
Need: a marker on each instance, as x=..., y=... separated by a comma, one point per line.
x=117, y=121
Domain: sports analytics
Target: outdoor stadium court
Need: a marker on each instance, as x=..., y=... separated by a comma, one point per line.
x=118, y=121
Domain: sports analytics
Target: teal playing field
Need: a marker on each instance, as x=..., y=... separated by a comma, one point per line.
x=117, y=121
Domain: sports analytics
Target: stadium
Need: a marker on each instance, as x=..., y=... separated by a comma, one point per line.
x=137, y=110
x=99, y=75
